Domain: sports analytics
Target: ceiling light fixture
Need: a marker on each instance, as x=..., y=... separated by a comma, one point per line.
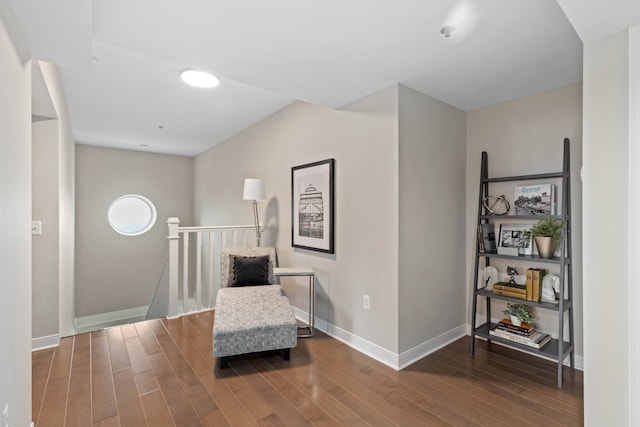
x=462, y=18
x=447, y=30
x=200, y=79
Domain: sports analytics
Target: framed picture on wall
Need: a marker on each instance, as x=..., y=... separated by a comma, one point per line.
x=312, y=206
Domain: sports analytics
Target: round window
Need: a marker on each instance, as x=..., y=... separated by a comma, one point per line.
x=131, y=215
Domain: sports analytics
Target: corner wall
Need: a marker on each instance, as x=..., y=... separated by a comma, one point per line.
x=363, y=139
x=432, y=161
x=15, y=217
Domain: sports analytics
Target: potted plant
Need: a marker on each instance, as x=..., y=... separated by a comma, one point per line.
x=519, y=313
x=548, y=235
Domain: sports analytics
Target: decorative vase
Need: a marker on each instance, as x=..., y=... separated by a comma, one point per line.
x=515, y=321
x=545, y=246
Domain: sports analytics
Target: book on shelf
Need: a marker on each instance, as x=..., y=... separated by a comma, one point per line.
x=508, y=293
x=529, y=283
x=515, y=288
x=480, y=240
x=536, y=279
x=538, y=199
x=524, y=329
x=510, y=286
x=534, y=283
x=488, y=237
x=536, y=340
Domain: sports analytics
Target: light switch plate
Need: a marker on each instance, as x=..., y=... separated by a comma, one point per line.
x=36, y=228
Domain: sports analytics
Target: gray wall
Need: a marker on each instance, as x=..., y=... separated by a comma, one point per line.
x=362, y=137
x=524, y=137
x=46, y=253
x=606, y=236
x=116, y=272
x=432, y=290
x=15, y=217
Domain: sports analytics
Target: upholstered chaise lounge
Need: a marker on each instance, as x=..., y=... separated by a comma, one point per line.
x=251, y=319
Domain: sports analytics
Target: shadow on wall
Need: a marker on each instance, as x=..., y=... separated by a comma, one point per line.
x=271, y=223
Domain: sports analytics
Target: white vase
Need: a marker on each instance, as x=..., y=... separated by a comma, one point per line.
x=515, y=321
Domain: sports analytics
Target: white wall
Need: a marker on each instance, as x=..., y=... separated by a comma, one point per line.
x=525, y=137
x=363, y=139
x=15, y=217
x=116, y=272
x=53, y=204
x=634, y=222
x=605, y=211
x=66, y=198
x=432, y=291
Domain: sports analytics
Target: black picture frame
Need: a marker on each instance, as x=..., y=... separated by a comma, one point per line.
x=312, y=206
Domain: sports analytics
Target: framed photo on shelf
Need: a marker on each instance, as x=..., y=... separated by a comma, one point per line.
x=312, y=206
x=514, y=240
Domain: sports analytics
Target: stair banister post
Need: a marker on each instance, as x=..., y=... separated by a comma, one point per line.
x=173, y=237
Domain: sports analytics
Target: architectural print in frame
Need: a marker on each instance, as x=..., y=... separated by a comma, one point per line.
x=312, y=206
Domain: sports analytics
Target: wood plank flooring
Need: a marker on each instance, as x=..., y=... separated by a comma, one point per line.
x=162, y=373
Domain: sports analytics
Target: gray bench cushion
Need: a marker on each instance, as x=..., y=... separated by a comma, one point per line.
x=252, y=319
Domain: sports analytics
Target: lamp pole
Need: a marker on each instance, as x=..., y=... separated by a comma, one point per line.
x=257, y=221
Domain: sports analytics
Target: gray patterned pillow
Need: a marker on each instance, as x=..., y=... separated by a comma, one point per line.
x=250, y=270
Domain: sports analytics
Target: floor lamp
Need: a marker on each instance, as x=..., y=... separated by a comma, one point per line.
x=254, y=190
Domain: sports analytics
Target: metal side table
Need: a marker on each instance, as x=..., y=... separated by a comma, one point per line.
x=308, y=272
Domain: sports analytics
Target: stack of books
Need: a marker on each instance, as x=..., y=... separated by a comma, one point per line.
x=512, y=290
x=524, y=334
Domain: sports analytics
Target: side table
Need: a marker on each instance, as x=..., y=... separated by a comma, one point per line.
x=308, y=272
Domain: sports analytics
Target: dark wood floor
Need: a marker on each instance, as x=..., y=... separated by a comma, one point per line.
x=162, y=373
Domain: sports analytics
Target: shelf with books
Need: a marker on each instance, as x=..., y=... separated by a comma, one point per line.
x=550, y=349
x=535, y=201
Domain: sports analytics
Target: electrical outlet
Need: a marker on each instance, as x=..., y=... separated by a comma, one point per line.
x=366, y=303
x=5, y=416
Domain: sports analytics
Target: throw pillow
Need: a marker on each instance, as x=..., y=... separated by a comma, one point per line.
x=250, y=270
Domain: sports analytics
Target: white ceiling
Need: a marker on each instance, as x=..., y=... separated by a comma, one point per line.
x=268, y=54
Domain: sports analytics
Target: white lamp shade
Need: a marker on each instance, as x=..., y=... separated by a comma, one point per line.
x=253, y=189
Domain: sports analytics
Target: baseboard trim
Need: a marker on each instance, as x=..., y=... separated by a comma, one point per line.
x=96, y=322
x=382, y=355
x=40, y=343
x=426, y=348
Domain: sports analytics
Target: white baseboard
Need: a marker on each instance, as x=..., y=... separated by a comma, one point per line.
x=382, y=355
x=430, y=346
x=104, y=320
x=40, y=343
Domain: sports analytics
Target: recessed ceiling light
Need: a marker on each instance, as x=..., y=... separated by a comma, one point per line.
x=199, y=78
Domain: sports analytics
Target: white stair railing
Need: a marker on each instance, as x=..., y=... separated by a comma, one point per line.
x=195, y=289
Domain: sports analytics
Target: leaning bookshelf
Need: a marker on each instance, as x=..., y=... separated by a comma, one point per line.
x=561, y=346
